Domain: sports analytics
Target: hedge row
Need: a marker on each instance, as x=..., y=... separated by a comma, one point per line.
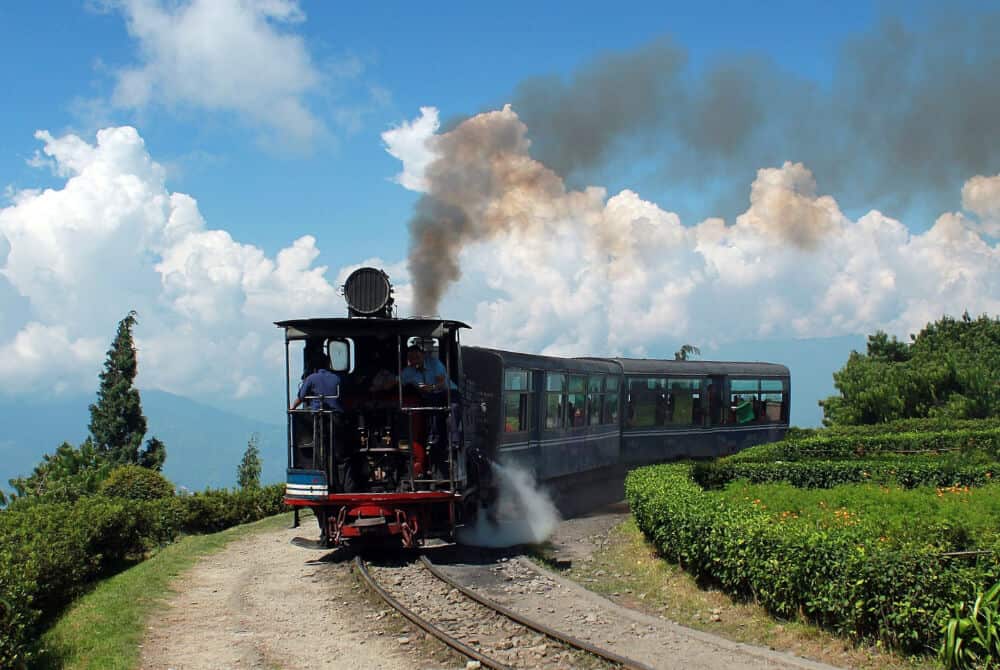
x=904, y=472
x=835, y=446
x=51, y=552
x=921, y=425
x=842, y=578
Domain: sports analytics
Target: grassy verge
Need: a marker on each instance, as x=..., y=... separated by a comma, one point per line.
x=104, y=628
x=629, y=570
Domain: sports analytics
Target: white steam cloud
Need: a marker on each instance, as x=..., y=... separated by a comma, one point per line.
x=578, y=272
x=522, y=514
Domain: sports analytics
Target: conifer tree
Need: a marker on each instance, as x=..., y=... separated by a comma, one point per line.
x=153, y=455
x=248, y=474
x=117, y=424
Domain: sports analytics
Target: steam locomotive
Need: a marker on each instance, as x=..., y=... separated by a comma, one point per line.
x=382, y=460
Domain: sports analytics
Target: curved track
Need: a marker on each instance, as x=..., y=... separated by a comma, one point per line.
x=479, y=628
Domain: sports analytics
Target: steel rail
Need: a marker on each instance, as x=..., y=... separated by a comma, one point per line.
x=427, y=626
x=538, y=627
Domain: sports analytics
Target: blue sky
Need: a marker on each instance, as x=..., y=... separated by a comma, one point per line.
x=788, y=266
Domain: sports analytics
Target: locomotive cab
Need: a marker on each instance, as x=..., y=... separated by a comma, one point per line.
x=376, y=457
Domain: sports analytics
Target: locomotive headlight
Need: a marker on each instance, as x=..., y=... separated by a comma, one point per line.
x=368, y=292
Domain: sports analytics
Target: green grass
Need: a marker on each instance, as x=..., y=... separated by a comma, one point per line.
x=104, y=628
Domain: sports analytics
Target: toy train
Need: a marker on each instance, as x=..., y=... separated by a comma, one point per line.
x=403, y=449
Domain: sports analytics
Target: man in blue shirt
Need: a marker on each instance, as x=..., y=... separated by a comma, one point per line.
x=426, y=374
x=429, y=376
x=322, y=382
x=322, y=390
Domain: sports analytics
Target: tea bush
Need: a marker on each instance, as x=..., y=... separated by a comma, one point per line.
x=51, y=552
x=134, y=482
x=844, y=574
x=834, y=445
x=905, y=472
x=920, y=425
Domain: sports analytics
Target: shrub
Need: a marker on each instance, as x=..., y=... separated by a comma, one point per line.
x=905, y=472
x=134, y=482
x=843, y=576
x=49, y=552
x=218, y=509
x=852, y=445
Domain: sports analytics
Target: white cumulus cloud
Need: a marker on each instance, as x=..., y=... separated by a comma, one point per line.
x=981, y=196
x=223, y=55
x=75, y=259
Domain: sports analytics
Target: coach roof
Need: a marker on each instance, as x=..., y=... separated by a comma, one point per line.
x=653, y=366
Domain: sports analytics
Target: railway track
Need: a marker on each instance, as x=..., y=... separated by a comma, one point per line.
x=477, y=627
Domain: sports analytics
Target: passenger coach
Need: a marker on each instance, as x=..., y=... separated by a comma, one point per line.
x=570, y=417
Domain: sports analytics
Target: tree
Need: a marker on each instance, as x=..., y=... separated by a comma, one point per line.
x=248, y=474
x=117, y=424
x=951, y=369
x=153, y=455
x=65, y=475
x=686, y=351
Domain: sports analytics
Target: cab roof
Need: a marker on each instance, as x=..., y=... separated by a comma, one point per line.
x=301, y=329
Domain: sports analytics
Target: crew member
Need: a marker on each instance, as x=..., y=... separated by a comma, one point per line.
x=429, y=376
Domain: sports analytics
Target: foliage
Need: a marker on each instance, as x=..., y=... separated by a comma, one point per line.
x=686, y=351
x=836, y=445
x=117, y=424
x=934, y=424
x=104, y=628
x=63, y=476
x=833, y=567
x=154, y=455
x=951, y=369
x=134, y=482
x=972, y=634
x=218, y=509
x=50, y=552
x=248, y=473
x=944, y=518
x=904, y=472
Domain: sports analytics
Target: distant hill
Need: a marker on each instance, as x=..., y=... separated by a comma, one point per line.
x=204, y=444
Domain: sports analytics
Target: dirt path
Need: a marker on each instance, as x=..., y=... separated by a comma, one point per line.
x=263, y=602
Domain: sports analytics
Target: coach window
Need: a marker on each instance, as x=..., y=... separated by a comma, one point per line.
x=555, y=400
x=595, y=399
x=610, y=414
x=684, y=402
x=647, y=404
x=744, y=400
x=773, y=401
x=576, y=405
x=517, y=400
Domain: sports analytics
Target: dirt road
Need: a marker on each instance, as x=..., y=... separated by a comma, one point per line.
x=263, y=602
